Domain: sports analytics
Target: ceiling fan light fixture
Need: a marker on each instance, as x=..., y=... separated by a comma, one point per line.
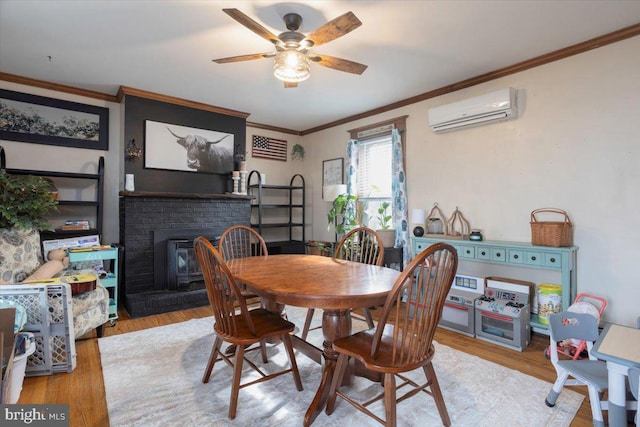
x=291, y=66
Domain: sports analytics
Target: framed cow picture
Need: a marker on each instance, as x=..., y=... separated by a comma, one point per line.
x=174, y=147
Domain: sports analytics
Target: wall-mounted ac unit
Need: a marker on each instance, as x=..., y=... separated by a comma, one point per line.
x=491, y=107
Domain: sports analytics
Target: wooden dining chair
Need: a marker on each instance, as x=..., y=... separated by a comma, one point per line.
x=363, y=245
x=403, y=338
x=242, y=328
x=240, y=241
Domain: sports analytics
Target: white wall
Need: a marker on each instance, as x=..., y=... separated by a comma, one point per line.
x=22, y=155
x=575, y=146
x=279, y=173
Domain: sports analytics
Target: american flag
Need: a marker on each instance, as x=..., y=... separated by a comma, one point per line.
x=269, y=148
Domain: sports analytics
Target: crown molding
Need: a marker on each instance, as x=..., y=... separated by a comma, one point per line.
x=126, y=90
x=613, y=37
x=273, y=128
x=616, y=36
x=57, y=87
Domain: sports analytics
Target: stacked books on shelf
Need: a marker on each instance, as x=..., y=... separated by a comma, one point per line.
x=76, y=224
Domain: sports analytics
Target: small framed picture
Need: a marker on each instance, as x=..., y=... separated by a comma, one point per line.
x=332, y=172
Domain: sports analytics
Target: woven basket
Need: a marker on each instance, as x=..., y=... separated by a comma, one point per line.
x=551, y=233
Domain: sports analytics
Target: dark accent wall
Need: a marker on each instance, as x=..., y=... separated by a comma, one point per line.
x=138, y=109
x=142, y=288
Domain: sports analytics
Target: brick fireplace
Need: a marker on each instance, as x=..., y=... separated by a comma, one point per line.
x=147, y=222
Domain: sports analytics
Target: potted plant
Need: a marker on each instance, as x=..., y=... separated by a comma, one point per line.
x=343, y=206
x=317, y=247
x=25, y=201
x=297, y=152
x=387, y=234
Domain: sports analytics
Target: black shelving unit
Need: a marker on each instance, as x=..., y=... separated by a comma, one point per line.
x=96, y=204
x=295, y=206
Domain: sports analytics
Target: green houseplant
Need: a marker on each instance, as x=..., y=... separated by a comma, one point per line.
x=387, y=234
x=344, y=206
x=297, y=152
x=25, y=201
x=383, y=219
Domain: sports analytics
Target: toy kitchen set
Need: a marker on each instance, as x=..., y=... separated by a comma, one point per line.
x=503, y=313
x=458, y=312
x=494, y=309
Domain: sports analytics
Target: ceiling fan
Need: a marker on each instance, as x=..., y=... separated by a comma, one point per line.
x=292, y=56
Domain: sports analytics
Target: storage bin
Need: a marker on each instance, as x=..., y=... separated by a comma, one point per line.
x=50, y=319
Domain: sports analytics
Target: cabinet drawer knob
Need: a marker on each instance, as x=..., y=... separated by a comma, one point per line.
x=498, y=254
x=516, y=256
x=483, y=253
x=553, y=260
x=468, y=251
x=533, y=258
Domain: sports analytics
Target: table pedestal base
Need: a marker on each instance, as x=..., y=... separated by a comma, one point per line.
x=335, y=324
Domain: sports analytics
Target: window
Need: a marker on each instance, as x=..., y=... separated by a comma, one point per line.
x=374, y=178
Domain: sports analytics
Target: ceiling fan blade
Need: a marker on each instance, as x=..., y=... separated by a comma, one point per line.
x=252, y=25
x=333, y=29
x=290, y=84
x=338, y=64
x=244, y=57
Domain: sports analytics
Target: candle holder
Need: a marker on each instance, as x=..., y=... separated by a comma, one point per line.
x=243, y=182
x=235, y=184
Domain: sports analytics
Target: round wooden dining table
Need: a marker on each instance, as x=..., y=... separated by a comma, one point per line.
x=335, y=286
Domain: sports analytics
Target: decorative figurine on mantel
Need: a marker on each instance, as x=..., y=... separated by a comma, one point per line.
x=243, y=182
x=458, y=226
x=239, y=177
x=235, y=176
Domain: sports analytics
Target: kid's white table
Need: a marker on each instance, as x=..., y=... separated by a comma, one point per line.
x=619, y=346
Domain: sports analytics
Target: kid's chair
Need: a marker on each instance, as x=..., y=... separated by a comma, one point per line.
x=592, y=372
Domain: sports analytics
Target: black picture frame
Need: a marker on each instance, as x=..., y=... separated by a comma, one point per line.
x=59, y=122
x=174, y=147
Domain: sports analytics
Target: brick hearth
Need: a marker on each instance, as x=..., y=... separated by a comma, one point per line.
x=147, y=220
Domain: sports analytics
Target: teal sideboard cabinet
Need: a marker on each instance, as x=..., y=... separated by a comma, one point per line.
x=515, y=254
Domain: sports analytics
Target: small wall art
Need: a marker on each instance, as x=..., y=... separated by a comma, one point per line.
x=332, y=172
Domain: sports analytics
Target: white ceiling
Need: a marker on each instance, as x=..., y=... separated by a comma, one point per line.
x=410, y=47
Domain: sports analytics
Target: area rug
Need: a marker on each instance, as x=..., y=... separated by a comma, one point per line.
x=153, y=378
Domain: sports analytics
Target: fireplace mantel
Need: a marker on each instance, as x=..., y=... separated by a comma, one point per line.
x=162, y=194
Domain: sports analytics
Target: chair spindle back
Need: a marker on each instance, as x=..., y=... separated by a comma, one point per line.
x=426, y=282
x=223, y=292
x=240, y=241
x=362, y=245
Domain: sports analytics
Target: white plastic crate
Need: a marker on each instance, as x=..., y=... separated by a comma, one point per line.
x=50, y=319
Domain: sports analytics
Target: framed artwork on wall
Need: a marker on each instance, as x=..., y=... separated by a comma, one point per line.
x=174, y=147
x=332, y=172
x=41, y=120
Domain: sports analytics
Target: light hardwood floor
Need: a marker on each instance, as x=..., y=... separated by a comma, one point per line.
x=83, y=389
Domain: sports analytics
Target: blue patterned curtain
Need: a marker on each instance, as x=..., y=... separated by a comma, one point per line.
x=352, y=166
x=352, y=173
x=399, y=194
x=398, y=188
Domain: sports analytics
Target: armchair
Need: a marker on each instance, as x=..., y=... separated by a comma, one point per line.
x=52, y=310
